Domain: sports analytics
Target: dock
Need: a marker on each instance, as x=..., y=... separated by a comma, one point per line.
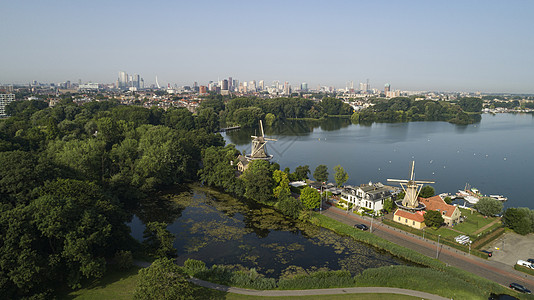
x=229, y=128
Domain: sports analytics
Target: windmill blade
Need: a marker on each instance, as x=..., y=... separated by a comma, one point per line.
x=268, y=139
x=399, y=180
x=253, y=136
x=261, y=126
x=420, y=181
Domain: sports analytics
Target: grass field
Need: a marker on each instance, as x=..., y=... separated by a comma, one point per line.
x=121, y=285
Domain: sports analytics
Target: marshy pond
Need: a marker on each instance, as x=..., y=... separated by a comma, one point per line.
x=219, y=229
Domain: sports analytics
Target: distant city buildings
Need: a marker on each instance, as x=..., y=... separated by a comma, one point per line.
x=132, y=82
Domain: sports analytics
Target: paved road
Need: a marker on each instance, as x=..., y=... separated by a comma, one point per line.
x=492, y=270
x=353, y=290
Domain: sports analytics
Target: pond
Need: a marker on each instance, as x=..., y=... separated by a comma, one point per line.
x=219, y=229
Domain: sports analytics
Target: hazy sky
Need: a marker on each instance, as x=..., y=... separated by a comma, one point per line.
x=415, y=45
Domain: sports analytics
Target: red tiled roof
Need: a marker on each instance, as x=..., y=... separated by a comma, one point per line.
x=436, y=203
x=417, y=216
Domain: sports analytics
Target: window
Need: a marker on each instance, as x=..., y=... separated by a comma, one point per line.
x=406, y=221
x=413, y=222
x=399, y=218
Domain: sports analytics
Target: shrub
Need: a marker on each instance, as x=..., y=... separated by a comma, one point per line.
x=193, y=266
x=317, y=280
x=124, y=260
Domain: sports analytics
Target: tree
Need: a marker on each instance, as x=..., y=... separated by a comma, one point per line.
x=258, y=181
x=340, y=175
x=163, y=280
x=518, y=219
x=389, y=205
x=301, y=172
x=158, y=240
x=321, y=173
x=269, y=119
x=433, y=219
x=427, y=191
x=281, y=181
x=489, y=206
x=310, y=197
x=290, y=207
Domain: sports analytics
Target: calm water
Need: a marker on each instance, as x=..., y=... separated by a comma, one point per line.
x=496, y=155
x=218, y=229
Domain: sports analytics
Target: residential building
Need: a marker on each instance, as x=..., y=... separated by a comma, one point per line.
x=450, y=213
x=370, y=196
x=413, y=219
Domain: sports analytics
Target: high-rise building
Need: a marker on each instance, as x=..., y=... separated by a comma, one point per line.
x=5, y=99
x=304, y=87
x=224, y=85
x=287, y=88
x=230, y=84
x=123, y=79
x=387, y=88
x=261, y=85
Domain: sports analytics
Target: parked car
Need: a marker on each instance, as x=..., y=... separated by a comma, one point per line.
x=501, y=297
x=525, y=264
x=531, y=260
x=361, y=226
x=519, y=288
x=490, y=254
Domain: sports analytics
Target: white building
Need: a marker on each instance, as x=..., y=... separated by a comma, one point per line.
x=370, y=196
x=5, y=99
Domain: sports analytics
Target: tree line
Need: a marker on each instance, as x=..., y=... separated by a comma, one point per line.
x=403, y=109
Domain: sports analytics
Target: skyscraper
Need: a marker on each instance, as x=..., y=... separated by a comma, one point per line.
x=387, y=88
x=304, y=87
x=123, y=79
x=224, y=85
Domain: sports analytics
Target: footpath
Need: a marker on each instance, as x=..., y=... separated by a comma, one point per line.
x=492, y=270
x=335, y=291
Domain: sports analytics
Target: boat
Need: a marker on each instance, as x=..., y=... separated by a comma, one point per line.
x=471, y=199
x=499, y=197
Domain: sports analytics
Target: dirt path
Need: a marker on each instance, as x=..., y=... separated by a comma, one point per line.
x=486, y=227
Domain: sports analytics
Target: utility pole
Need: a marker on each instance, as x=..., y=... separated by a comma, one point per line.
x=437, y=248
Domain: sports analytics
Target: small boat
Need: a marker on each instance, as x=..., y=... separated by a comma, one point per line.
x=471, y=199
x=499, y=197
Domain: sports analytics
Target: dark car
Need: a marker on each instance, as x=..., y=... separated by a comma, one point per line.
x=501, y=297
x=361, y=226
x=531, y=260
x=519, y=288
x=489, y=253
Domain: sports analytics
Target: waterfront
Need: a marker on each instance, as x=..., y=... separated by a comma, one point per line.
x=218, y=229
x=493, y=155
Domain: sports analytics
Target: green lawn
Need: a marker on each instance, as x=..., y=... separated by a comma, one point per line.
x=327, y=297
x=113, y=285
x=474, y=221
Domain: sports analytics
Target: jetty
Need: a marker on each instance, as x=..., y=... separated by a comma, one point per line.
x=229, y=128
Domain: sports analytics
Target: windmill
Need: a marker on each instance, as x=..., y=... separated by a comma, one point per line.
x=258, y=147
x=411, y=189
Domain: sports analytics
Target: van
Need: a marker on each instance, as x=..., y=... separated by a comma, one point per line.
x=525, y=264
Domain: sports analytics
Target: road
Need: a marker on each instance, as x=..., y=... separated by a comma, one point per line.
x=492, y=270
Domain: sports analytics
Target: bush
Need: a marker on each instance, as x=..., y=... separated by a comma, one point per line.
x=317, y=280
x=193, y=266
x=124, y=260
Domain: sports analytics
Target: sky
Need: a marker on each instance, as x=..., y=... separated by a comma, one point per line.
x=471, y=46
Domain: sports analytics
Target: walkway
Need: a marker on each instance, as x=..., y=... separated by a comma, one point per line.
x=492, y=270
x=487, y=226
x=336, y=291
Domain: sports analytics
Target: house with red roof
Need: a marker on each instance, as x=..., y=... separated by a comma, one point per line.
x=450, y=213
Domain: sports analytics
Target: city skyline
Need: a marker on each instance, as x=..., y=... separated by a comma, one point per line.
x=415, y=45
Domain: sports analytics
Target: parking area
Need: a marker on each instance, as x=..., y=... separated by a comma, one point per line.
x=511, y=247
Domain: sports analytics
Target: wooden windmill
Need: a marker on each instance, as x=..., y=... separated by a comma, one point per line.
x=411, y=189
x=259, y=150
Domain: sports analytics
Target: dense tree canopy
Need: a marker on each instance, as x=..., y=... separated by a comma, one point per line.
x=310, y=197
x=72, y=176
x=427, y=191
x=489, y=206
x=340, y=175
x=321, y=173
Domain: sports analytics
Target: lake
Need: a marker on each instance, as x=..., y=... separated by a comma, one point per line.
x=218, y=229
x=495, y=155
